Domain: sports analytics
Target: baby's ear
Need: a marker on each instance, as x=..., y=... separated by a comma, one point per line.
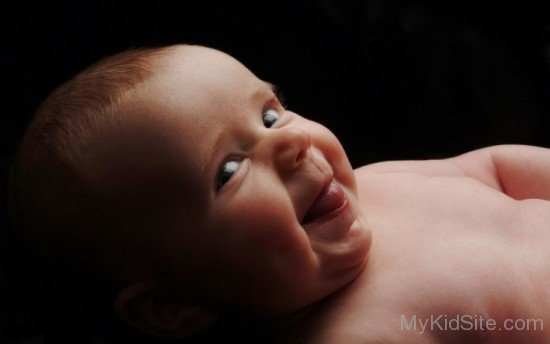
x=141, y=306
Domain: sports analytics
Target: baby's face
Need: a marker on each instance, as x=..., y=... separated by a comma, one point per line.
x=244, y=172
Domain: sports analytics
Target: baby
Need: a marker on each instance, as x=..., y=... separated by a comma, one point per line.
x=197, y=197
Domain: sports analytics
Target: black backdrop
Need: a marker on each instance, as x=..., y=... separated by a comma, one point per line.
x=392, y=79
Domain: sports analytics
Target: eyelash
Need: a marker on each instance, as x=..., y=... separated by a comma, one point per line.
x=280, y=97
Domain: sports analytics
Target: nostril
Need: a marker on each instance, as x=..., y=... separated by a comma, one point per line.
x=289, y=147
x=301, y=155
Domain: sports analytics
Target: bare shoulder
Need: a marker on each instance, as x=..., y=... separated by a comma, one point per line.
x=519, y=171
x=469, y=164
x=433, y=167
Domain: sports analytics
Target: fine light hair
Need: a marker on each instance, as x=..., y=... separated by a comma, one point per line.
x=57, y=226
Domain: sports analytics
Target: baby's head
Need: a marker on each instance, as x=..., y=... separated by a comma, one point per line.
x=176, y=177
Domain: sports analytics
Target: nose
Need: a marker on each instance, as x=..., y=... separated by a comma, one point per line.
x=288, y=148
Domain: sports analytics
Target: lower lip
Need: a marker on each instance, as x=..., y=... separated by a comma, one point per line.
x=340, y=196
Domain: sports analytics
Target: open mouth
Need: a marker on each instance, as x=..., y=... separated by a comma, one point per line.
x=327, y=204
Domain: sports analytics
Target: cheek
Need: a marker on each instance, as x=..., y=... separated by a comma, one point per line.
x=261, y=218
x=334, y=153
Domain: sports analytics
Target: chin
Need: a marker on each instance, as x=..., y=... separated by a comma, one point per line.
x=349, y=264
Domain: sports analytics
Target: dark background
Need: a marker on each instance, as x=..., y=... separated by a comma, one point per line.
x=392, y=79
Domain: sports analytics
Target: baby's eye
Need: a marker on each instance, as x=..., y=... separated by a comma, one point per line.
x=226, y=172
x=269, y=117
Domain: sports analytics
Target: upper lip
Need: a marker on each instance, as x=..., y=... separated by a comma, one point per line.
x=321, y=179
x=320, y=186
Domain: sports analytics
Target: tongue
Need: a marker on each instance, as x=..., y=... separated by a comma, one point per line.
x=331, y=198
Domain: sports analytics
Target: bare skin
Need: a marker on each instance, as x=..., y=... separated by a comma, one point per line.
x=461, y=236
x=444, y=243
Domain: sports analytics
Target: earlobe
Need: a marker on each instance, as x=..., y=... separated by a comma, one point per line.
x=141, y=306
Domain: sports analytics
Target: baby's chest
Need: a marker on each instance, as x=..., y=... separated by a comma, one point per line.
x=435, y=227
x=458, y=222
x=431, y=205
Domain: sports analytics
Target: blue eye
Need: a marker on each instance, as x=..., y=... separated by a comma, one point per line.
x=269, y=118
x=226, y=172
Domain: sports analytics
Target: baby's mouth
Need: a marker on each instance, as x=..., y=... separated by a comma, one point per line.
x=327, y=204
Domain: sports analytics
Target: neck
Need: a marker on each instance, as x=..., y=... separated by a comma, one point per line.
x=287, y=328
x=243, y=328
x=297, y=327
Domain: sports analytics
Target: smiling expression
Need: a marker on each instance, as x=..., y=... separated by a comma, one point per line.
x=245, y=171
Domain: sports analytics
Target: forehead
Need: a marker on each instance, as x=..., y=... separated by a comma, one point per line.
x=194, y=84
x=193, y=78
x=189, y=100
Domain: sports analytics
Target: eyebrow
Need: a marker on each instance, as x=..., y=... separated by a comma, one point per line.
x=274, y=88
x=262, y=91
x=277, y=92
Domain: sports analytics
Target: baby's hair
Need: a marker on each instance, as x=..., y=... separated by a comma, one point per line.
x=49, y=205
